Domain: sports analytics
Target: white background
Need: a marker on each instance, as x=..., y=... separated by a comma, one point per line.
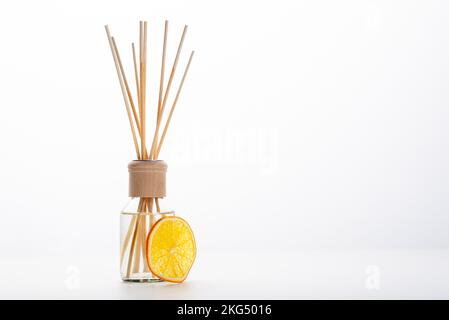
x=309, y=147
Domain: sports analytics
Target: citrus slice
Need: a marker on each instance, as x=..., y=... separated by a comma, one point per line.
x=171, y=249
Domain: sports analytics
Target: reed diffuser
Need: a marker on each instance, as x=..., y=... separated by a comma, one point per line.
x=155, y=244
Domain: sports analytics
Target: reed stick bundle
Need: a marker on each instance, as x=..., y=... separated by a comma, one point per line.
x=141, y=223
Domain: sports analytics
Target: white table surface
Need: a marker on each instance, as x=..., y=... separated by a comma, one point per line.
x=230, y=275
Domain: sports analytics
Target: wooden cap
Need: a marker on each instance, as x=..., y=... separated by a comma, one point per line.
x=147, y=178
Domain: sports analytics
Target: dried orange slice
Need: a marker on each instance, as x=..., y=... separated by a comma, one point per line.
x=171, y=249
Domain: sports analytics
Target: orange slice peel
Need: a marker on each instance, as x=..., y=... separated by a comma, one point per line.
x=171, y=249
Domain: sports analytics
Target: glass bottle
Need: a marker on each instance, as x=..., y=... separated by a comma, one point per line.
x=144, y=209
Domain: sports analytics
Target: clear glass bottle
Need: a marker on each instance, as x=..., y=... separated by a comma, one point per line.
x=145, y=208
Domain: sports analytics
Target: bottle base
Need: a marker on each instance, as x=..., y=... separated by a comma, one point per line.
x=142, y=278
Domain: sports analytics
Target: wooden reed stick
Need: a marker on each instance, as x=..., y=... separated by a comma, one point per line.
x=143, y=243
x=161, y=89
x=161, y=83
x=128, y=91
x=125, y=242
x=138, y=91
x=140, y=77
x=136, y=75
x=150, y=209
x=133, y=241
x=138, y=242
x=149, y=201
x=174, y=105
x=122, y=86
x=167, y=91
x=143, y=92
